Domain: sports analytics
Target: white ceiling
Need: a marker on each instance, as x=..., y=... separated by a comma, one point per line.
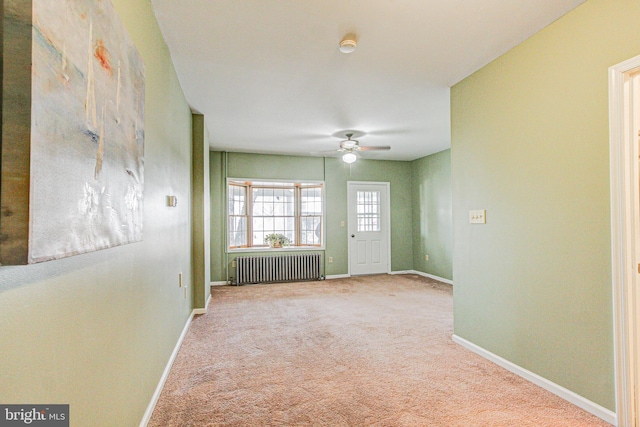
x=269, y=78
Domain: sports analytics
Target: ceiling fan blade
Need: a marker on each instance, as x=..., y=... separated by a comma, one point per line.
x=371, y=148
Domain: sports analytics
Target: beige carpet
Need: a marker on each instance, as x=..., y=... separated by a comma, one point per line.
x=363, y=351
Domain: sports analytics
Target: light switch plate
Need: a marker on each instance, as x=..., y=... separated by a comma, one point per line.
x=478, y=216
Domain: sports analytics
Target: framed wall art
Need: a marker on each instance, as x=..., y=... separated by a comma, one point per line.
x=72, y=153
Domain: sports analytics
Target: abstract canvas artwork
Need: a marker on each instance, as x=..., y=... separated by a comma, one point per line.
x=73, y=131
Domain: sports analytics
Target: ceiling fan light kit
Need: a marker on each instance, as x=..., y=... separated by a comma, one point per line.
x=347, y=45
x=350, y=146
x=349, y=158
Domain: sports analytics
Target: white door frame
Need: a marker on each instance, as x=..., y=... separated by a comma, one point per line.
x=623, y=157
x=387, y=220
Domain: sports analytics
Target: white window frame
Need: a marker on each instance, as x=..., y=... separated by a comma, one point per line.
x=291, y=248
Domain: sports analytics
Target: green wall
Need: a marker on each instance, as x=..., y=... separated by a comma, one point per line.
x=432, y=222
x=96, y=330
x=259, y=166
x=530, y=145
x=335, y=173
x=200, y=212
x=398, y=174
x=218, y=216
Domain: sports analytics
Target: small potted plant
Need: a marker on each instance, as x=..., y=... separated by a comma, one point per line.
x=277, y=240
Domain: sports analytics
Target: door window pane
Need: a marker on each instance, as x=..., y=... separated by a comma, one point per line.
x=368, y=210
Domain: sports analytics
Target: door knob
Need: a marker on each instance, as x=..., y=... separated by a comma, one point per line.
x=353, y=235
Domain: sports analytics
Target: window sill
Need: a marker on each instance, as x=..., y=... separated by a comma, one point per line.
x=283, y=249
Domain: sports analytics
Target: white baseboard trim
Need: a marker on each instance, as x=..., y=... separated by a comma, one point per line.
x=220, y=283
x=202, y=310
x=156, y=395
x=420, y=273
x=568, y=395
x=431, y=276
x=338, y=276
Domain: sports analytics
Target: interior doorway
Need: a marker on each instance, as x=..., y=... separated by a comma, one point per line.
x=368, y=227
x=624, y=122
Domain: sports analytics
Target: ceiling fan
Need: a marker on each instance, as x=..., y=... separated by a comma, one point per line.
x=350, y=146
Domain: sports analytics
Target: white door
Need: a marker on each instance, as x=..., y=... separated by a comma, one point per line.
x=624, y=89
x=634, y=124
x=368, y=206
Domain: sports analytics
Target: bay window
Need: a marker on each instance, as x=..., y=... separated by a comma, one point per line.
x=259, y=208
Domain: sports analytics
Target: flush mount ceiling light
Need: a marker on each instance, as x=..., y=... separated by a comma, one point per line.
x=349, y=158
x=347, y=45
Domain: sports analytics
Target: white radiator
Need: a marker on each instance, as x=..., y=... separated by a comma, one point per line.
x=279, y=268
